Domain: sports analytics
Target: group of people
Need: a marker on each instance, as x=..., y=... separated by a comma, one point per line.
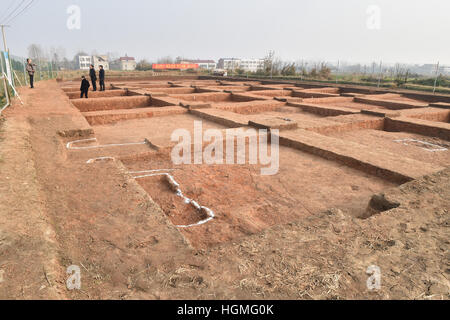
x=85, y=85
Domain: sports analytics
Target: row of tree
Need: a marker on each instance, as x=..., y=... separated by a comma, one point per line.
x=56, y=57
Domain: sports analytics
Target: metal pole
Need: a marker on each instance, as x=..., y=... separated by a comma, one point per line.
x=337, y=71
x=436, y=77
x=379, y=76
x=272, y=55
x=25, y=71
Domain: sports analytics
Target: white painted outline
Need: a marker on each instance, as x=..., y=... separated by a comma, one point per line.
x=438, y=147
x=176, y=185
x=152, y=173
x=70, y=147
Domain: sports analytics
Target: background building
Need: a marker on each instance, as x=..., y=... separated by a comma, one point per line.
x=84, y=62
x=228, y=63
x=127, y=63
x=250, y=65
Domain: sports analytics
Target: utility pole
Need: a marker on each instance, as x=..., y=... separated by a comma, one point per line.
x=436, y=77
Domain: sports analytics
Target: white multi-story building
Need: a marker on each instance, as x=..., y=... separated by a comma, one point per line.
x=229, y=63
x=84, y=62
x=250, y=65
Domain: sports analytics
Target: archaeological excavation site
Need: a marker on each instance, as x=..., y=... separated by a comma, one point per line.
x=360, y=177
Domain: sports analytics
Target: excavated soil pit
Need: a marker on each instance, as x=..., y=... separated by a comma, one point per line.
x=245, y=202
x=173, y=90
x=274, y=93
x=145, y=86
x=430, y=114
x=317, y=93
x=227, y=88
x=157, y=130
x=418, y=147
x=271, y=87
x=344, y=102
x=394, y=97
x=290, y=114
x=250, y=107
x=117, y=103
x=98, y=94
x=213, y=97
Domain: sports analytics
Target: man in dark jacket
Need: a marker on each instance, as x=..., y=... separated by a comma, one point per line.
x=84, y=87
x=93, y=78
x=101, y=77
x=31, y=70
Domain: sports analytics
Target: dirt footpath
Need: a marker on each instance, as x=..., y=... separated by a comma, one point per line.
x=56, y=212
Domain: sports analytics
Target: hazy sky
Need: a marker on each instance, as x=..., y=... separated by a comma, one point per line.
x=410, y=31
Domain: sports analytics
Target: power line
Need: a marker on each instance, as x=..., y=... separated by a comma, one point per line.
x=6, y=11
x=22, y=11
x=12, y=12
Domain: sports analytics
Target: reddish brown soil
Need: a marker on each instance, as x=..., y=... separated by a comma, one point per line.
x=291, y=236
x=393, y=97
x=346, y=102
x=246, y=202
x=386, y=141
x=158, y=130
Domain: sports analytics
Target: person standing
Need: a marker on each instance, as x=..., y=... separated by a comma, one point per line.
x=101, y=77
x=31, y=70
x=84, y=87
x=93, y=78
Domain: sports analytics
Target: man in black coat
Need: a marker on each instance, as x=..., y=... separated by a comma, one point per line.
x=93, y=78
x=101, y=77
x=84, y=87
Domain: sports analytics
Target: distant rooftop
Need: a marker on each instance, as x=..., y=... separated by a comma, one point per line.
x=126, y=58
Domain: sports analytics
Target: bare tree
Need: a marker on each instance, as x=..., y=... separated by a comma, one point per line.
x=166, y=59
x=35, y=51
